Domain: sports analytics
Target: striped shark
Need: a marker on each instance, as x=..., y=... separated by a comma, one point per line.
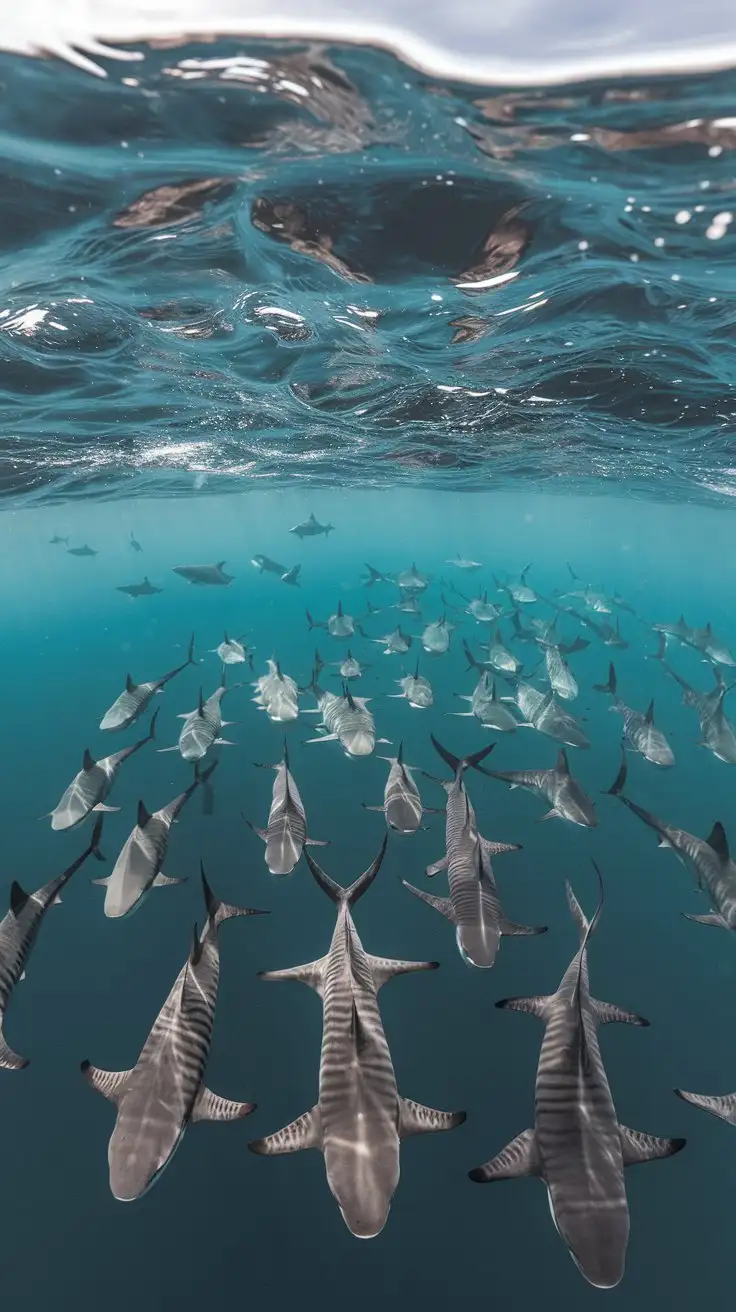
x=204, y=575
x=395, y=643
x=556, y=786
x=232, y=652
x=277, y=694
x=561, y=678
x=138, y=867
x=18, y=932
x=482, y=610
x=402, y=805
x=360, y=1118
x=702, y=640
x=487, y=707
x=520, y=594
x=202, y=728
x=89, y=788
x=577, y=1146
x=346, y=720
x=592, y=598
x=436, y=636
x=716, y=730
x=640, y=731
x=285, y=835
x=498, y=659
x=543, y=713
x=349, y=668
x=165, y=1091
x=416, y=689
x=708, y=860
x=473, y=905
x=131, y=703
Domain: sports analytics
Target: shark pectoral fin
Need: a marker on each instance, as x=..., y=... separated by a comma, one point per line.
x=384, y=968
x=262, y=833
x=606, y=1012
x=210, y=1107
x=441, y=904
x=323, y=738
x=111, y=1084
x=497, y=849
x=723, y=1105
x=366, y=807
x=389, y=741
x=532, y=1006
x=317, y=842
x=304, y=1132
x=163, y=881
x=517, y=1159
x=512, y=928
x=552, y=814
x=414, y=1118
x=101, y=807
x=9, y=1060
x=437, y=866
x=712, y=918
x=103, y=883
x=312, y=974
x=225, y=742
x=161, y=750
x=637, y=1147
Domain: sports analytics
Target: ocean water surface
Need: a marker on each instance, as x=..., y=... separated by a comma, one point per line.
x=246, y=283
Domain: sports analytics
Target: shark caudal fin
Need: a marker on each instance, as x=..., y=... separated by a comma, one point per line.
x=336, y=892
x=609, y=687
x=218, y=911
x=462, y=763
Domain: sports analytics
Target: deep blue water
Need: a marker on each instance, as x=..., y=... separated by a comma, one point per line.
x=283, y=333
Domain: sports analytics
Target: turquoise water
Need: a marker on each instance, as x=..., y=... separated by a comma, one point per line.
x=174, y=370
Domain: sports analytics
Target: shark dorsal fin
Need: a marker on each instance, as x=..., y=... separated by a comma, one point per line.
x=129, y=685
x=200, y=706
x=88, y=760
x=220, y=564
x=563, y=765
x=339, y=609
x=708, y=629
x=226, y=637
x=144, y=815
x=718, y=842
x=649, y=717
x=493, y=690
x=18, y=898
x=400, y=753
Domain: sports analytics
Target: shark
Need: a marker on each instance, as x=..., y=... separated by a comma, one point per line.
x=558, y=787
x=347, y=720
x=131, y=703
x=205, y=575
x=498, y=658
x=415, y=689
x=519, y=594
x=562, y=680
x=135, y=544
x=232, y=652
x=473, y=905
x=577, y=1145
x=19, y=930
x=592, y=598
x=702, y=640
x=410, y=580
x=292, y=577
x=89, y=788
x=487, y=707
x=338, y=625
x=165, y=1092
x=138, y=867
x=540, y=711
x=202, y=728
x=708, y=859
x=436, y=636
x=716, y=730
x=640, y=731
x=461, y=562
x=359, y=1119
x=606, y=633
x=482, y=610
x=311, y=528
x=395, y=643
x=376, y=576
x=285, y=835
x=264, y=564
x=402, y=805
x=277, y=694
x=349, y=668
x=82, y=551
x=55, y=540
x=144, y=589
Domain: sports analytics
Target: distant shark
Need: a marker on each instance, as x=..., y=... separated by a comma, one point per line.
x=144, y=589
x=311, y=528
x=639, y=729
x=202, y=575
x=135, y=544
x=359, y=1119
x=82, y=551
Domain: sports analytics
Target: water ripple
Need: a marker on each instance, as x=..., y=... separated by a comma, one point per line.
x=287, y=261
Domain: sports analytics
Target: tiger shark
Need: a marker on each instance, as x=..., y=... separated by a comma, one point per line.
x=639, y=729
x=338, y=625
x=18, y=932
x=359, y=1119
x=165, y=1091
x=89, y=788
x=402, y=805
x=577, y=1145
x=131, y=703
x=138, y=867
x=708, y=860
x=558, y=787
x=415, y=689
x=473, y=905
x=487, y=706
x=436, y=636
x=285, y=835
x=203, y=727
x=716, y=730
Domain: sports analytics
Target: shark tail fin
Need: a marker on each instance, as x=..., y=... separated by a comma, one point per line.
x=572, y=573
x=617, y=787
x=336, y=892
x=190, y=652
x=218, y=911
x=660, y=653
x=609, y=687
x=94, y=842
x=473, y=664
x=462, y=762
